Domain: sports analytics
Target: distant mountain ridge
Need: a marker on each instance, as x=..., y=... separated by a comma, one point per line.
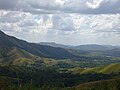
x=8, y=42
x=56, y=51
x=53, y=44
x=86, y=47
x=93, y=47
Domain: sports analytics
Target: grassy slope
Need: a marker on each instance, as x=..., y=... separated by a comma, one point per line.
x=104, y=69
x=17, y=56
x=112, y=84
x=112, y=68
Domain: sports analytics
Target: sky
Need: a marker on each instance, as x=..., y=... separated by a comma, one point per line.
x=71, y=22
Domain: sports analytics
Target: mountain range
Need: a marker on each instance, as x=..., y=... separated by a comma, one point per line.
x=48, y=64
x=12, y=48
x=87, y=47
x=7, y=43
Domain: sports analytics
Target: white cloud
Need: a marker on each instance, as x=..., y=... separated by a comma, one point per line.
x=61, y=2
x=105, y=23
x=94, y=3
x=62, y=6
x=64, y=21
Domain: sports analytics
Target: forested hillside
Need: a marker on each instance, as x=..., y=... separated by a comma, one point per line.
x=30, y=66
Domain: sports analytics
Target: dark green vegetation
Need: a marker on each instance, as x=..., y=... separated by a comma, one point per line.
x=47, y=76
x=29, y=66
x=112, y=84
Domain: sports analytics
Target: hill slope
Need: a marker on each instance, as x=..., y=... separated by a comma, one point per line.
x=55, y=44
x=107, y=69
x=112, y=68
x=16, y=56
x=112, y=84
x=40, y=50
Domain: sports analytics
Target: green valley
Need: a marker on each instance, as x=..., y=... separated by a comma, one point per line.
x=31, y=66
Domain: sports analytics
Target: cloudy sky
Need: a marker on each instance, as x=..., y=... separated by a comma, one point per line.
x=70, y=22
